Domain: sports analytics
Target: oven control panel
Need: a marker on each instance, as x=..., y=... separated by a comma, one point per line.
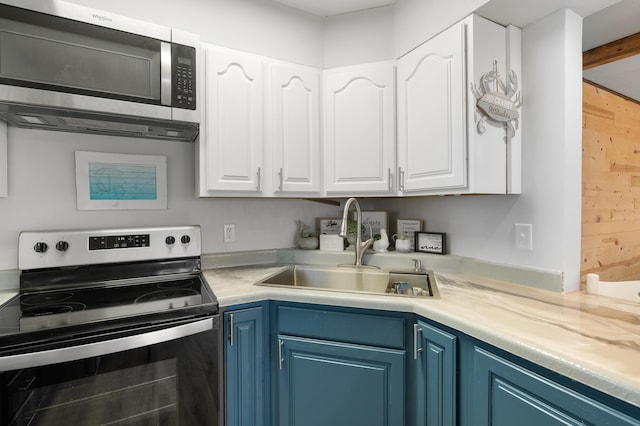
x=118, y=241
x=47, y=249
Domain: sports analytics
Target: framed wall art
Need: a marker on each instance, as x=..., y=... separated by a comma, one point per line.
x=106, y=181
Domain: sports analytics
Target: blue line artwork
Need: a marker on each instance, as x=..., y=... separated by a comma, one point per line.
x=111, y=181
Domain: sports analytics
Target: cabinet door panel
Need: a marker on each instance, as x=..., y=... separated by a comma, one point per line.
x=360, y=128
x=506, y=394
x=233, y=120
x=329, y=383
x=245, y=383
x=431, y=114
x=436, y=370
x=295, y=120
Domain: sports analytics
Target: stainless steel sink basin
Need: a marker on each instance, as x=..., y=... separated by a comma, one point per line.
x=359, y=280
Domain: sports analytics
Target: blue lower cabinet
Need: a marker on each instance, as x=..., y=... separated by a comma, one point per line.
x=506, y=394
x=322, y=383
x=245, y=354
x=435, y=355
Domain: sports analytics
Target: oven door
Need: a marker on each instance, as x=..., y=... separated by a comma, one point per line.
x=170, y=376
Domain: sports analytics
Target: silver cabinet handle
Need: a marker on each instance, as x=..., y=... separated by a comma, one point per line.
x=280, y=356
x=89, y=350
x=400, y=179
x=416, y=349
x=231, y=329
x=390, y=180
x=281, y=178
x=259, y=186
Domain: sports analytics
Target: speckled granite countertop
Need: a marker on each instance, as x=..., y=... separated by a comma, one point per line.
x=591, y=339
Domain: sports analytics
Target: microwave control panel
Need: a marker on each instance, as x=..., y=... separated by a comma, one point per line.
x=183, y=76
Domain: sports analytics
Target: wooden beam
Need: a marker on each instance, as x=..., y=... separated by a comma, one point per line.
x=610, y=52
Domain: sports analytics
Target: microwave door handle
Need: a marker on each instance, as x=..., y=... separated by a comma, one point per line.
x=165, y=73
x=89, y=350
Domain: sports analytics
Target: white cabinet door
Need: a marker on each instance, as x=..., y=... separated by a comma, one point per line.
x=431, y=114
x=232, y=133
x=445, y=146
x=293, y=126
x=359, y=128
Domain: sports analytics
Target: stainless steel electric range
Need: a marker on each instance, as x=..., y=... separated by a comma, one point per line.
x=111, y=326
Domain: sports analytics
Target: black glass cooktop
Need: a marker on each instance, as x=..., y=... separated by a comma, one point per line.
x=49, y=310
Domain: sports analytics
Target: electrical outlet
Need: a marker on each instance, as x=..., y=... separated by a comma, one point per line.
x=524, y=236
x=229, y=233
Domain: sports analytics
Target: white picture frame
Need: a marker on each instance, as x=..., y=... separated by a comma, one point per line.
x=377, y=220
x=329, y=225
x=108, y=181
x=409, y=227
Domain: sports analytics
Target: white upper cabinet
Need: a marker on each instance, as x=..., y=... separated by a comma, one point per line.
x=231, y=139
x=443, y=148
x=273, y=128
x=359, y=129
x=431, y=114
x=293, y=128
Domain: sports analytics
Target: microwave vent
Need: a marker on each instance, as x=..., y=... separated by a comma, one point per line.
x=100, y=126
x=66, y=120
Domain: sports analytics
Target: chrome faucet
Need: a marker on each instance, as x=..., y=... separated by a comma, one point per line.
x=361, y=246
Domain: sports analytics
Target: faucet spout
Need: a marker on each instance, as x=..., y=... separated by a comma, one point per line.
x=360, y=246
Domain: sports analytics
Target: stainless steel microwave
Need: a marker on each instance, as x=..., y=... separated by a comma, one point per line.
x=72, y=68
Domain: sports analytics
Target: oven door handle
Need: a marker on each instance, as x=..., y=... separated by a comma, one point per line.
x=89, y=350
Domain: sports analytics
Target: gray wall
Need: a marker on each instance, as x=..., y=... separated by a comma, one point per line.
x=41, y=175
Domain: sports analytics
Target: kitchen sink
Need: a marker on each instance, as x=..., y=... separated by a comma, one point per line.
x=358, y=280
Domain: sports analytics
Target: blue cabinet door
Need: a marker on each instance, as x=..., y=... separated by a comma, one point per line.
x=506, y=394
x=324, y=383
x=244, y=357
x=435, y=392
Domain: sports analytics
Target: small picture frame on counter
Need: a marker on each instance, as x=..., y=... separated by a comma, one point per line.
x=407, y=228
x=376, y=219
x=431, y=242
x=329, y=225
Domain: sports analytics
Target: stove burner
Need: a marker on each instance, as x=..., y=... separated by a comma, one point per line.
x=166, y=294
x=53, y=309
x=175, y=284
x=45, y=298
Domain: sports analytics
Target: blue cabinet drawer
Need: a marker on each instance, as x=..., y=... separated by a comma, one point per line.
x=350, y=327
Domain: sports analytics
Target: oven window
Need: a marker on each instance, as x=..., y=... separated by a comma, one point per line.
x=136, y=395
x=172, y=383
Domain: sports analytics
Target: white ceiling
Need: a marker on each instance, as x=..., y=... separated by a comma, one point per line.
x=614, y=23
x=610, y=24
x=334, y=7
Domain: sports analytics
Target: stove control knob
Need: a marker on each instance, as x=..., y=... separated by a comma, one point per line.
x=170, y=240
x=62, y=246
x=41, y=247
x=185, y=239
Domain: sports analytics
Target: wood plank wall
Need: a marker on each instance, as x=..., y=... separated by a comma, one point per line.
x=610, y=186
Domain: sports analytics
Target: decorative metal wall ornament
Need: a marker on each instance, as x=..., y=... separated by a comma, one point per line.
x=500, y=104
